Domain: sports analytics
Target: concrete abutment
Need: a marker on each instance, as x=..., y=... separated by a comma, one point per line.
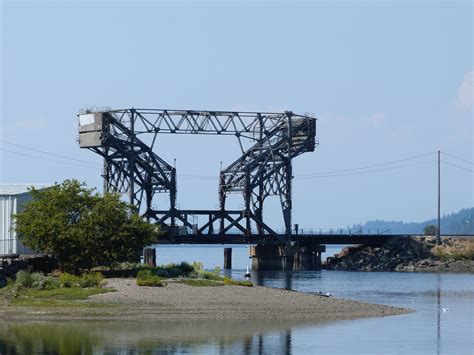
x=303, y=256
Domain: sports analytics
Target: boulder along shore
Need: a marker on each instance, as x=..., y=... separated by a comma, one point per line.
x=411, y=254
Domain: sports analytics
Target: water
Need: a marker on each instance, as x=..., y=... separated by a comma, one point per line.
x=442, y=324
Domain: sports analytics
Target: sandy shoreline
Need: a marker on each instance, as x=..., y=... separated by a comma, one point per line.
x=179, y=302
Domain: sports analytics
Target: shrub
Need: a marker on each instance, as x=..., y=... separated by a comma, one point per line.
x=148, y=278
x=68, y=280
x=185, y=268
x=49, y=283
x=37, y=280
x=171, y=270
x=127, y=266
x=42, y=282
x=69, y=220
x=23, y=280
x=430, y=230
x=208, y=275
x=161, y=273
x=197, y=266
x=93, y=279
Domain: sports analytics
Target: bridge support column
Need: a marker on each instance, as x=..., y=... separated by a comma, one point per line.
x=227, y=258
x=302, y=256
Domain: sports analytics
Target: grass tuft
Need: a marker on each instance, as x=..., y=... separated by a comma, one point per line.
x=148, y=278
x=59, y=297
x=70, y=293
x=200, y=282
x=229, y=281
x=93, y=279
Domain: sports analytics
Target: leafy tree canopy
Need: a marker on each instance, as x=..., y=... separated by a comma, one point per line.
x=81, y=228
x=430, y=230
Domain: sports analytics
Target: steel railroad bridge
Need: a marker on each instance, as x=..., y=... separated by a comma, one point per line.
x=299, y=239
x=313, y=238
x=268, y=141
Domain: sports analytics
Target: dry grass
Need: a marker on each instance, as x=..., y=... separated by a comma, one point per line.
x=459, y=249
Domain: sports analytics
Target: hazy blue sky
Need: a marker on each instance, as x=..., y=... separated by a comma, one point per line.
x=387, y=80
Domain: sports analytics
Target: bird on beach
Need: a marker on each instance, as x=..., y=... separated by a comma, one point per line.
x=445, y=310
x=327, y=294
x=247, y=273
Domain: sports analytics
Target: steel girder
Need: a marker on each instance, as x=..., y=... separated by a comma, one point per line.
x=264, y=169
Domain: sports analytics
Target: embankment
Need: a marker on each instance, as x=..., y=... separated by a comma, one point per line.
x=420, y=254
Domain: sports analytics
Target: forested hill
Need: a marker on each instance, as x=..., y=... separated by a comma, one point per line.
x=461, y=222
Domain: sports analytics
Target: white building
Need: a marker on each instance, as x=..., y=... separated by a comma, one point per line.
x=12, y=197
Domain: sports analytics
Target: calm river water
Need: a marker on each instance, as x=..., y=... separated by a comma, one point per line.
x=442, y=324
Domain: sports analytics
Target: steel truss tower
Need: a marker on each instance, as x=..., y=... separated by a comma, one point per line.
x=126, y=138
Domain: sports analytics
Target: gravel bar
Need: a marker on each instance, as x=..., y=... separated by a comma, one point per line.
x=182, y=302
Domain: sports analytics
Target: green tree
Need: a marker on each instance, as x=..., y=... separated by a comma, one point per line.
x=81, y=228
x=430, y=230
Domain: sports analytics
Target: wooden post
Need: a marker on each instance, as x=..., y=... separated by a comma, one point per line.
x=149, y=256
x=227, y=258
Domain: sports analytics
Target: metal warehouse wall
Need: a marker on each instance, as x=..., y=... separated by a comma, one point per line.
x=9, y=205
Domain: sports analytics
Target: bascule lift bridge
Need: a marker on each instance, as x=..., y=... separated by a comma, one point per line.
x=268, y=141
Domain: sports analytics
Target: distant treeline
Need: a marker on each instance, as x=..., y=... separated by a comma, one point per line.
x=461, y=222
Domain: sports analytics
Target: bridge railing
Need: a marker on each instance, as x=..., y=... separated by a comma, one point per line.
x=340, y=231
x=183, y=230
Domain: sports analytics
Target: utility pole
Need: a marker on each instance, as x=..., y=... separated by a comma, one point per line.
x=438, y=232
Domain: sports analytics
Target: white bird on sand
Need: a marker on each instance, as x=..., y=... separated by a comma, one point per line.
x=247, y=273
x=445, y=310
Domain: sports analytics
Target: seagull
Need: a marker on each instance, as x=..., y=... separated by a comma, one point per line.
x=319, y=293
x=247, y=273
x=445, y=310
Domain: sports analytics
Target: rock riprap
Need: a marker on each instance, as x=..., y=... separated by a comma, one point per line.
x=407, y=254
x=12, y=263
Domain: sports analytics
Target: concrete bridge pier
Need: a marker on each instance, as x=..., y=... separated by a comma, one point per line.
x=227, y=258
x=301, y=256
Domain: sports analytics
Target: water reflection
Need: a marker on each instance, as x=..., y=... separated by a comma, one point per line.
x=438, y=320
x=222, y=337
x=42, y=338
x=278, y=279
x=428, y=331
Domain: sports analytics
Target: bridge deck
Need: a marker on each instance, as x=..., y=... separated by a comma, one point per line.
x=369, y=239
